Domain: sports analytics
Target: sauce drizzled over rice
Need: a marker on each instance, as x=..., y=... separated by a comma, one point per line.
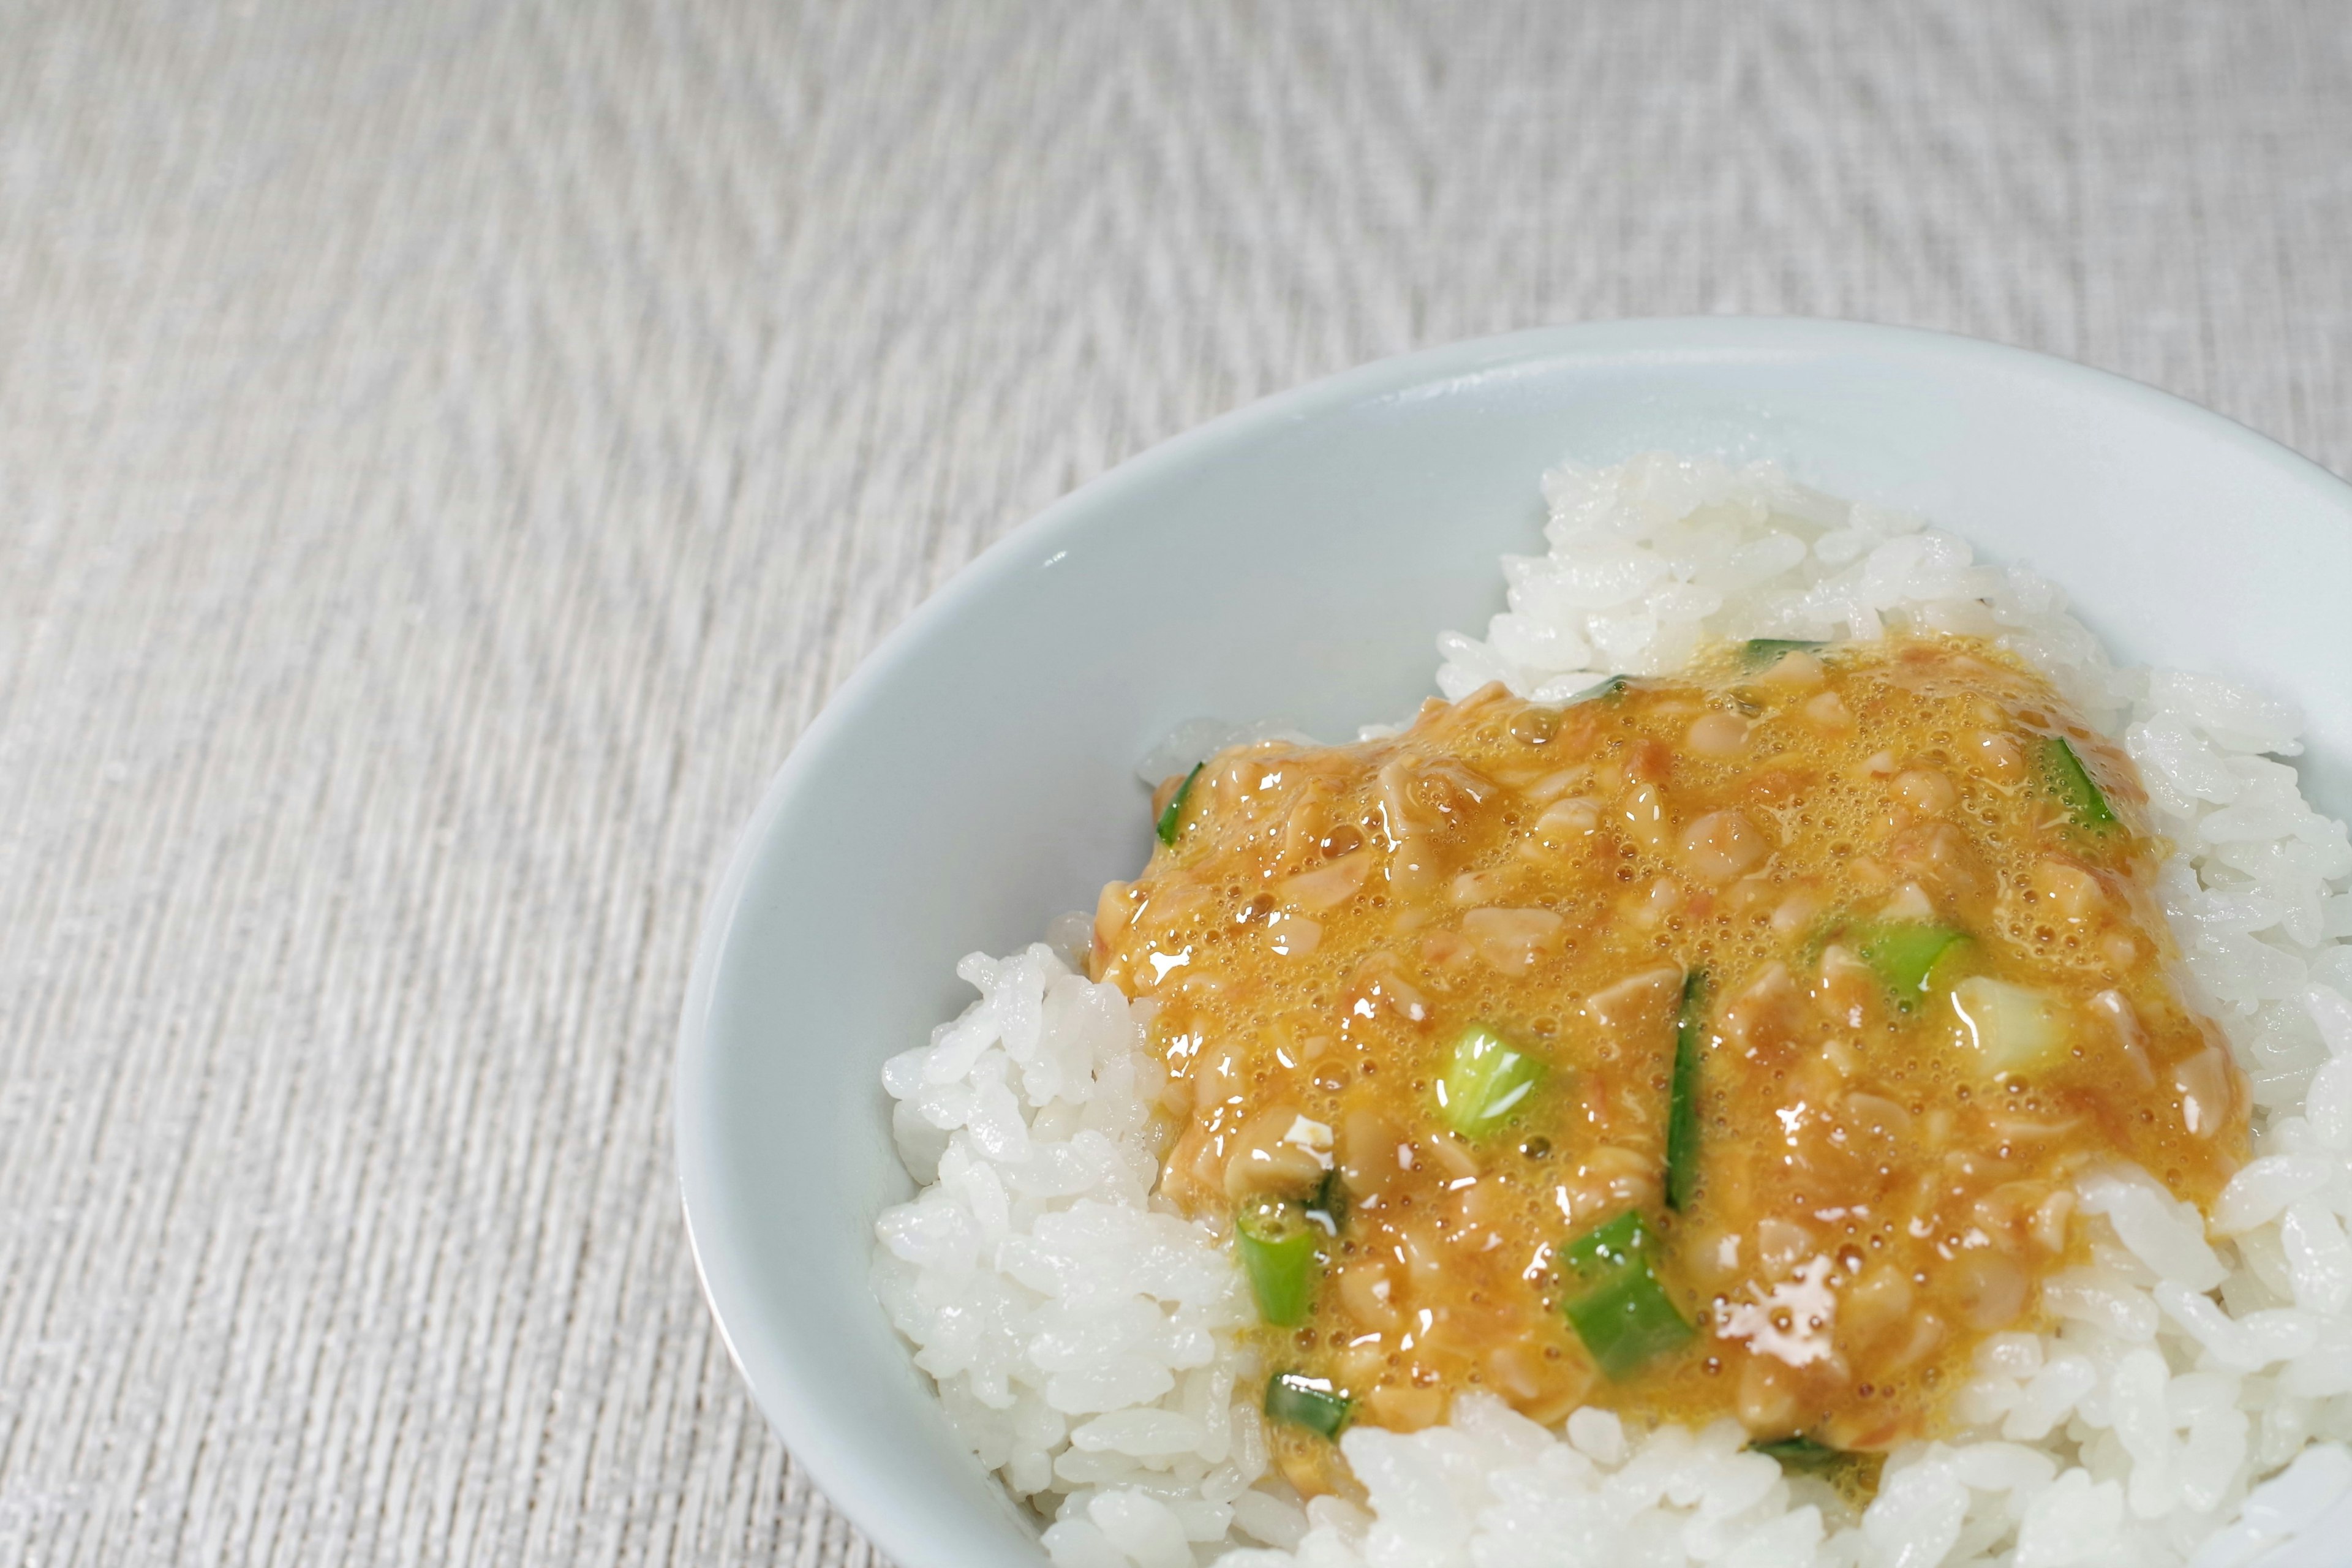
x=1421, y=999
x=2182, y=1389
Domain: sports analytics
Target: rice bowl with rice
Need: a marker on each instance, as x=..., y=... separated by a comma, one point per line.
x=2178, y=1394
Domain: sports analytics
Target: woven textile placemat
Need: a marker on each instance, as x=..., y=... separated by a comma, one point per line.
x=449, y=450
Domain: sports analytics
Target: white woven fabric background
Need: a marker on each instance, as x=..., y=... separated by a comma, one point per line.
x=448, y=450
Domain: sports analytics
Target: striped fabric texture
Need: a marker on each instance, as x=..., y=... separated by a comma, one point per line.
x=448, y=450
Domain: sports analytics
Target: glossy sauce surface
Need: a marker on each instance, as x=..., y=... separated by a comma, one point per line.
x=1883, y=1168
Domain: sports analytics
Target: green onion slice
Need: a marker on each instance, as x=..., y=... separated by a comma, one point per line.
x=1278, y=1248
x=2072, y=785
x=1610, y=689
x=1330, y=1201
x=1172, y=816
x=1855, y=1475
x=1682, y=1112
x=1910, y=957
x=1485, y=1081
x=1762, y=653
x=1800, y=1453
x=1614, y=1301
x=1309, y=1402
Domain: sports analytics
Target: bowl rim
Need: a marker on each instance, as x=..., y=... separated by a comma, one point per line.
x=862, y=1491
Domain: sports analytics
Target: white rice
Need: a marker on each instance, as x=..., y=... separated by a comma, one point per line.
x=2193, y=1404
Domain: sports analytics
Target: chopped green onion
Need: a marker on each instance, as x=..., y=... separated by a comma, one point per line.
x=1854, y=1475
x=1610, y=689
x=1172, y=817
x=1278, y=1248
x=2011, y=1028
x=1485, y=1081
x=1309, y=1402
x=1330, y=1200
x=1909, y=956
x=2075, y=787
x=1681, y=1112
x=1616, y=1305
x=1800, y=1453
x=1762, y=653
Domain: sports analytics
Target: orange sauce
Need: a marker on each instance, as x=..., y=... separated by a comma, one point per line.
x=1883, y=1172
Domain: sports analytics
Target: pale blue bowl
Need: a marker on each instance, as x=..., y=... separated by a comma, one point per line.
x=1296, y=559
